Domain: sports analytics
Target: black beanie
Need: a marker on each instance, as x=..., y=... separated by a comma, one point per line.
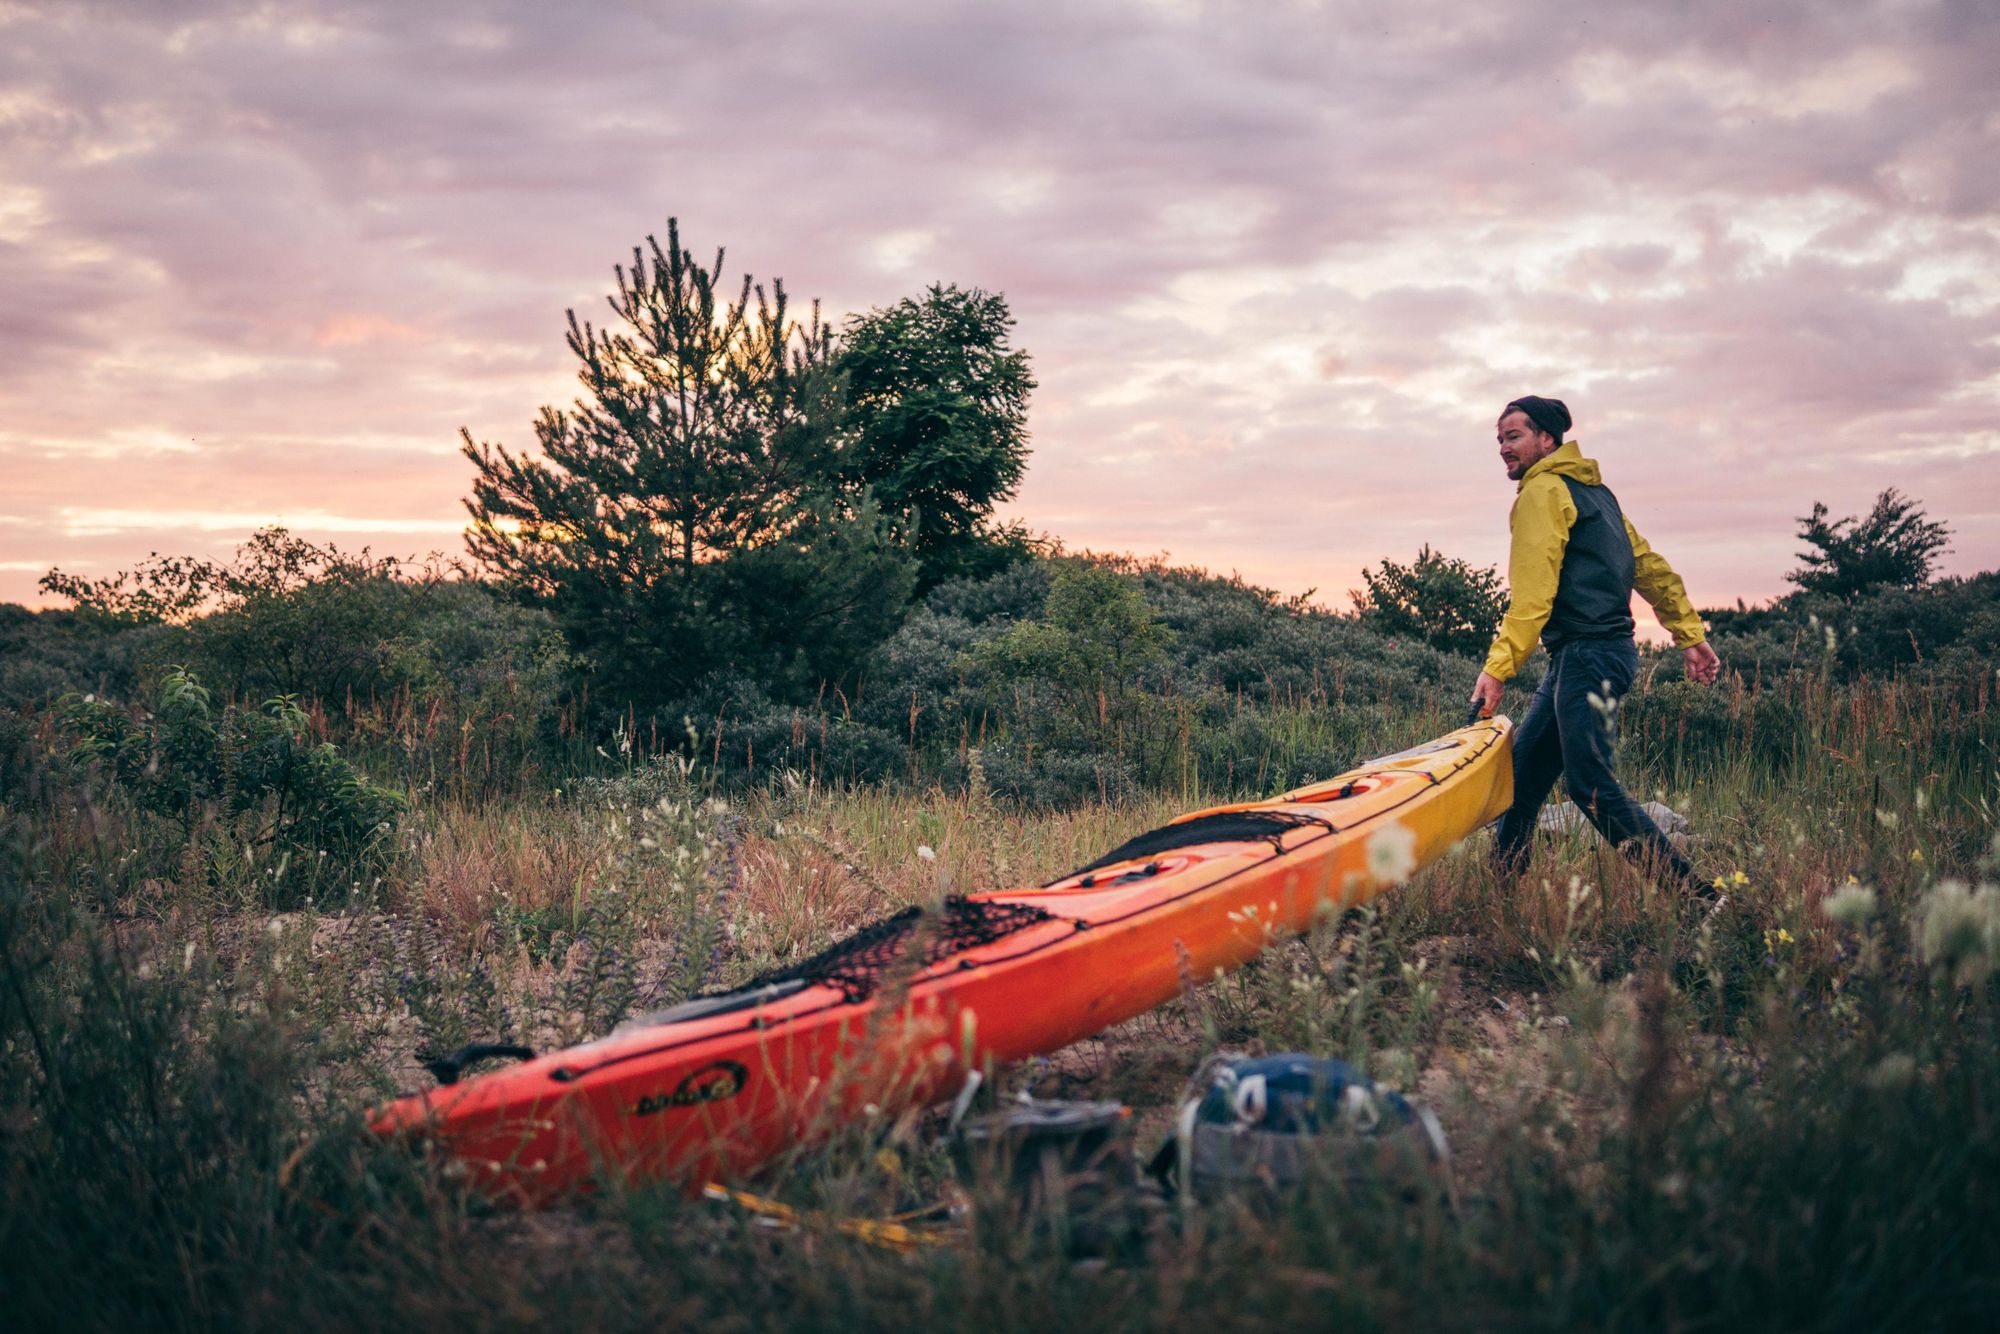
x=1548, y=414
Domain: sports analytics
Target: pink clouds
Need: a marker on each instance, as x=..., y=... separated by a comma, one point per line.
x=1276, y=268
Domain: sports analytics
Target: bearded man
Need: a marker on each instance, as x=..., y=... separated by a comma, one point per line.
x=1574, y=563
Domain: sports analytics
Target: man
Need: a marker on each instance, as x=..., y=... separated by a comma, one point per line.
x=1574, y=564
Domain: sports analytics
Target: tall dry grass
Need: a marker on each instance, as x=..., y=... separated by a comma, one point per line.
x=1781, y=1114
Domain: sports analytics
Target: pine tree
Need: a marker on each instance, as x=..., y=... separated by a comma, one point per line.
x=707, y=433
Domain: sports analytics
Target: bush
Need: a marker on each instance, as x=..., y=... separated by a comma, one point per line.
x=1075, y=680
x=1895, y=546
x=1017, y=593
x=917, y=691
x=1049, y=778
x=1677, y=724
x=468, y=673
x=744, y=734
x=1449, y=603
x=45, y=655
x=257, y=772
x=1878, y=632
x=284, y=616
x=1902, y=627
x=445, y=670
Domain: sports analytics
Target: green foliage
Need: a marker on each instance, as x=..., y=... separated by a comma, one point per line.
x=289, y=617
x=1097, y=635
x=937, y=412
x=462, y=671
x=420, y=670
x=257, y=772
x=1895, y=546
x=1946, y=627
x=1683, y=729
x=1448, y=603
x=183, y=1145
x=679, y=508
x=285, y=616
x=1015, y=593
x=46, y=654
x=1781, y=1114
x=1076, y=681
x=807, y=610
x=1946, y=622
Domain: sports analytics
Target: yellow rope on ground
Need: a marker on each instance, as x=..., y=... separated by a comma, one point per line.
x=886, y=1233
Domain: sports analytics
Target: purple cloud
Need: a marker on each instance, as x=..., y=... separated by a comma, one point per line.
x=1277, y=269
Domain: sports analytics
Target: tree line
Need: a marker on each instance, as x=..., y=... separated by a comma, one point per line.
x=756, y=524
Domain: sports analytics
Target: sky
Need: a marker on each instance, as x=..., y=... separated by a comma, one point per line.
x=1277, y=265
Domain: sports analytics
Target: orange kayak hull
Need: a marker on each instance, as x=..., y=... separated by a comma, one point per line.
x=716, y=1088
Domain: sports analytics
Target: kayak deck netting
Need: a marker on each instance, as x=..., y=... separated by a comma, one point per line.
x=901, y=1010
x=856, y=965
x=1220, y=827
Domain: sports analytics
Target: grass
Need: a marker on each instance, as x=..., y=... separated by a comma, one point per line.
x=1783, y=1115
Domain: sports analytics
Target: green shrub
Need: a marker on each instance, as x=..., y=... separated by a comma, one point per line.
x=1018, y=592
x=1447, y=602
x=45, y=655
x=252, y=779
x=424, y=672
x=1878, y=631
x=283, y=616
x=1051, y=777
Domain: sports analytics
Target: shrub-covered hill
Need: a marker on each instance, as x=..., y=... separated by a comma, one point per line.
x=1057, y=679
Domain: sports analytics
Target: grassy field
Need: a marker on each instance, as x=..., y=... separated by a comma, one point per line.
x=1786, y=1115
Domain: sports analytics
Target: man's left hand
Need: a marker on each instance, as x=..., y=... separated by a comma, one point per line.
x=1702, y=664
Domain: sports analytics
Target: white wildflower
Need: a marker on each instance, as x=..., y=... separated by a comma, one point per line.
x=926, y=853
x=1392, y=854
x=1958, y=928
x=1850, y=905
x=1892, y=1072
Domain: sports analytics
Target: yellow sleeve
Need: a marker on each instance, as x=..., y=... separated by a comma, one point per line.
x=1654, y=580
x=1543, y=516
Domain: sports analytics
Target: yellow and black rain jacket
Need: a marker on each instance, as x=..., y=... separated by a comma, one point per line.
x=1574, y=564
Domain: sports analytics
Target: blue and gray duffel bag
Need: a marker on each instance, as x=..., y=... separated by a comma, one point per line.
x=1266, y=1121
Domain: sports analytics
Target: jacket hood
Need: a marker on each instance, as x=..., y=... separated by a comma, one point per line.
x=1567, y=461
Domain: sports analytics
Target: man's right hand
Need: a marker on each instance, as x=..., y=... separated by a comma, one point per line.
x=1486, y=694
x=1702, y=663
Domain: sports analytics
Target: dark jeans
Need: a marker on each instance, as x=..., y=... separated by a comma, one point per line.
x=1565, y=734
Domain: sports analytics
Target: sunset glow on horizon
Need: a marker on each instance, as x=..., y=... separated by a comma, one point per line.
x=1277, y=267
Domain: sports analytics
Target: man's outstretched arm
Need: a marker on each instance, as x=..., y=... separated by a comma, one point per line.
x=1655, y=581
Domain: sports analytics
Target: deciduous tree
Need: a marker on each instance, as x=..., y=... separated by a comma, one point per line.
x=937, y=409
x=1895, y=546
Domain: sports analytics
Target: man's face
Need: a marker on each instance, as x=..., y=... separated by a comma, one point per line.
x=1521, y=445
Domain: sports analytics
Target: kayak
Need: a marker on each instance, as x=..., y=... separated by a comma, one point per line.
x=898, y=1015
